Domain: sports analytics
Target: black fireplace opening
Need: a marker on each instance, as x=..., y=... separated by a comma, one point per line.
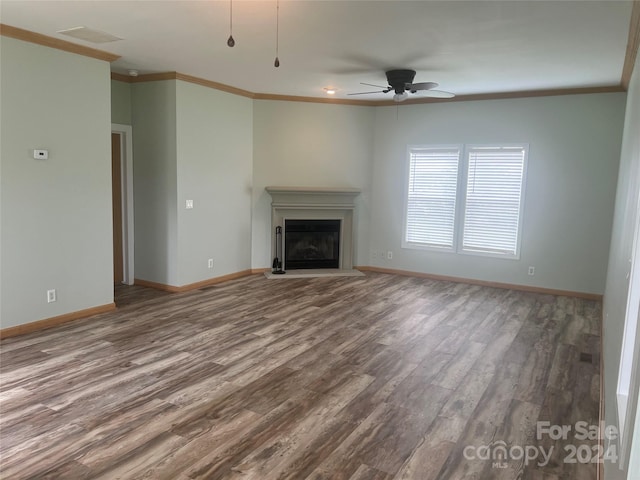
x=311, y=244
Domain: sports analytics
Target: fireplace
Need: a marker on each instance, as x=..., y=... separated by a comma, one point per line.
x=311, y=244
x=314, y=206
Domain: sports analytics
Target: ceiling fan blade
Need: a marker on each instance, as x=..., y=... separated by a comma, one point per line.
x=367, y=93
x=372, y=85
x=414, y=87
x=437, y=94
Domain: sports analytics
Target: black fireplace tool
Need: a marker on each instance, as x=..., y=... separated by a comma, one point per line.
x=277, y=262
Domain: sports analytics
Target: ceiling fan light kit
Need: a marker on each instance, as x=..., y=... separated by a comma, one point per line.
x=401, y=82
x=400, y=97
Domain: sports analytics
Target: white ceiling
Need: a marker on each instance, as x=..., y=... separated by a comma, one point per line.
x=468, y=47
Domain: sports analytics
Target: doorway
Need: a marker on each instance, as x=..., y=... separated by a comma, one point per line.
x=122, y=194
x=116, y=202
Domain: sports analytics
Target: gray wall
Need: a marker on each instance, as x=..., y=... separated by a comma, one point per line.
x=214, y=160
x=55, y=214
x=617, y=286
x=574, y=149
x=121, y=102
x=191, y=142
x=310, y=145
x=155, y=181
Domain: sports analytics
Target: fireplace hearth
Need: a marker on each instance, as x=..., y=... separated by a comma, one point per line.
x=311, y=244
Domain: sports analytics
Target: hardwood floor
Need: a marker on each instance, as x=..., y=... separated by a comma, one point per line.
x=363, y=378
x=126, y=295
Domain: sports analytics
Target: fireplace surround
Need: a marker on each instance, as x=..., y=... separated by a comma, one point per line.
x=316, y=203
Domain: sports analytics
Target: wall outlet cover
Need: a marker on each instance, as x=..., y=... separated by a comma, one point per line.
x=51, y=296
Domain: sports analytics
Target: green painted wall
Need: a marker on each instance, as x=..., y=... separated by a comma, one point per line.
x=215, y=170
x=574, y=151
x=121, y=108
x=191, y=142
x=55, y=214
x=155, y=181
x=310, y=145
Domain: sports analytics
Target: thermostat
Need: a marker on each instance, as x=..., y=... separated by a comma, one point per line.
x=41, y=154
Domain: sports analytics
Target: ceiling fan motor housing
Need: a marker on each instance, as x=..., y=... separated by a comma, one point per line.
x=400, y=79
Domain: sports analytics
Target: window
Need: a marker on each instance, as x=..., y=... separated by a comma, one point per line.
x=493, y=200
x=431, y=199
x=469, y=203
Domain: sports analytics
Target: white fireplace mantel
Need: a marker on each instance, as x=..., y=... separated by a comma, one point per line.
x=319, y=203
x=313, y=196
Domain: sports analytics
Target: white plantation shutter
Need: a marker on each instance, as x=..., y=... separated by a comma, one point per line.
x=495, y=177
x=431, y=198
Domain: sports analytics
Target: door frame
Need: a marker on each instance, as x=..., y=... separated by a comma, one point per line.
x=126, y=155
x=628, y=385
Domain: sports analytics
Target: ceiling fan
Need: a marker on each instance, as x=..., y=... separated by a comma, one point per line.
x=401, y=82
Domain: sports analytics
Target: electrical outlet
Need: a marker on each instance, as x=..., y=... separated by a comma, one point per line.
x=531, y=271
x=210, y=263
x=389, y=255
x=189, y=204
x=51, y=296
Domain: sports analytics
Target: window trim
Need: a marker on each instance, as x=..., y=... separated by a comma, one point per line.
x=461, y=199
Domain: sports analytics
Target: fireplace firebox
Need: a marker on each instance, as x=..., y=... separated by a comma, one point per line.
x=311, y=244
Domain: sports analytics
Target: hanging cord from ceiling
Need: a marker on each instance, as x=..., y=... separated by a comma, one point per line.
x=230, y=41
x=276, y=63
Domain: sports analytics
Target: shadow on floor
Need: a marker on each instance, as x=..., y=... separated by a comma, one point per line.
x=125, y=295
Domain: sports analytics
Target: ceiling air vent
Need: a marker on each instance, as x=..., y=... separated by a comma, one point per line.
x=89, y=35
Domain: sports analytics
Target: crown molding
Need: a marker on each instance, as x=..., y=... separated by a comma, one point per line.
x=152, y=77
x=44, y=40
x=335, y=101
x=214, y=85
x=120, y=77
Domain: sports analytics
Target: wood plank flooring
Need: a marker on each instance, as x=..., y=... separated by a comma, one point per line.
x=379, y=377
